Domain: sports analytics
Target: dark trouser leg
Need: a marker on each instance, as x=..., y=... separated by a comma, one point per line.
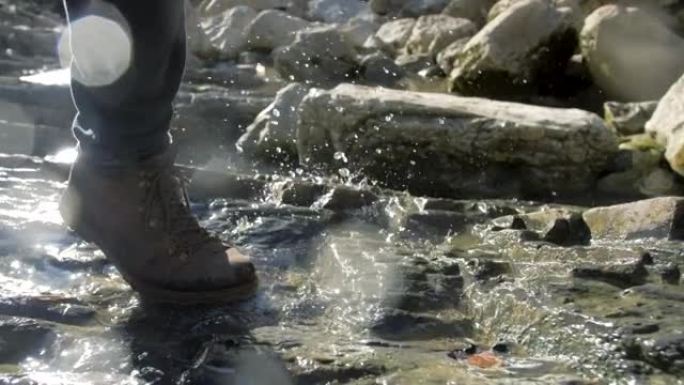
x=127, y=120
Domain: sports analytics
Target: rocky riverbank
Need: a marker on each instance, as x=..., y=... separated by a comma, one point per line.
x=435, y=192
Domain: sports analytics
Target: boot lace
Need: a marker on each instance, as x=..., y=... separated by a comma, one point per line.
x=167, y=190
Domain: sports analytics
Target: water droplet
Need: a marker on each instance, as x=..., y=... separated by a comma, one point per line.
x=341, y=156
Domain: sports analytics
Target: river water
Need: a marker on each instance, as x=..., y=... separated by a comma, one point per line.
x=349, y=295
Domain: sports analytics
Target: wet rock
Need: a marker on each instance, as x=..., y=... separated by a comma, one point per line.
x=379, y=69
x=20, y=338
x=227, y=31
x=423, y=285
x=434, y=144
x=336, y=11
x=639, y=328
x=666, y=353
x=667, y=123
x=620, y=275
x=346, y=198
x=628, y=118
x=302, y=193
x=445, y=59
x=431, y=34
x=399, y=325
x=627, y=42
x=499, y=61
x=485, y=269
x=319, y=55
x=660, y=218
x=273, y=134
x=272, y=29
x=339, y=372
x=393, y=35
x=563, y=227
x=49, y=308
x=473, y=10
x=670, y=273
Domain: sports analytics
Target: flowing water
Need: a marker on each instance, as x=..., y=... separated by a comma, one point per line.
x=348, y=296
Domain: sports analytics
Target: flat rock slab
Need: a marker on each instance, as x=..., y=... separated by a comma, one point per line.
x=660, y=218
x=432, y=143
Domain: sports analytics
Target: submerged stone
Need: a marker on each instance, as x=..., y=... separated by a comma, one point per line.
x=20, y=338
x=667, y=124
x=398, y=325
x=621, y=275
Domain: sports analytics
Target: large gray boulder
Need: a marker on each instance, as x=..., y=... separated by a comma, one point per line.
x=431, y=34
x=527, y=44
x=272, y=29
x=227, y=31
x=320, y=55
x=667, y=125
x=273, y=135
x=631, y=53
x=336, y=11
x=449, y=145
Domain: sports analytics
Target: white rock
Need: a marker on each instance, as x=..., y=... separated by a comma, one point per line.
x=228, y=31
x=393, y=35
x=448, y=142
x=667, y=124
x=431, y=34
x=504, y=57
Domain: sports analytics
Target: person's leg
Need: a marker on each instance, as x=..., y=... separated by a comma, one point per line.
x=124, y=193
x=125, y=118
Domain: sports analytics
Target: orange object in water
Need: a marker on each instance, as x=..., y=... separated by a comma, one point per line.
x=484, y=360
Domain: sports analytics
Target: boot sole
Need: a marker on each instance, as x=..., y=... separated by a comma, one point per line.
x=156, y=295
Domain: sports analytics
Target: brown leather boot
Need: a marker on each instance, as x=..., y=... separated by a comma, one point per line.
x=140, y=217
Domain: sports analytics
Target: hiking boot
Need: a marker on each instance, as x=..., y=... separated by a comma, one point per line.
x=140, y=217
